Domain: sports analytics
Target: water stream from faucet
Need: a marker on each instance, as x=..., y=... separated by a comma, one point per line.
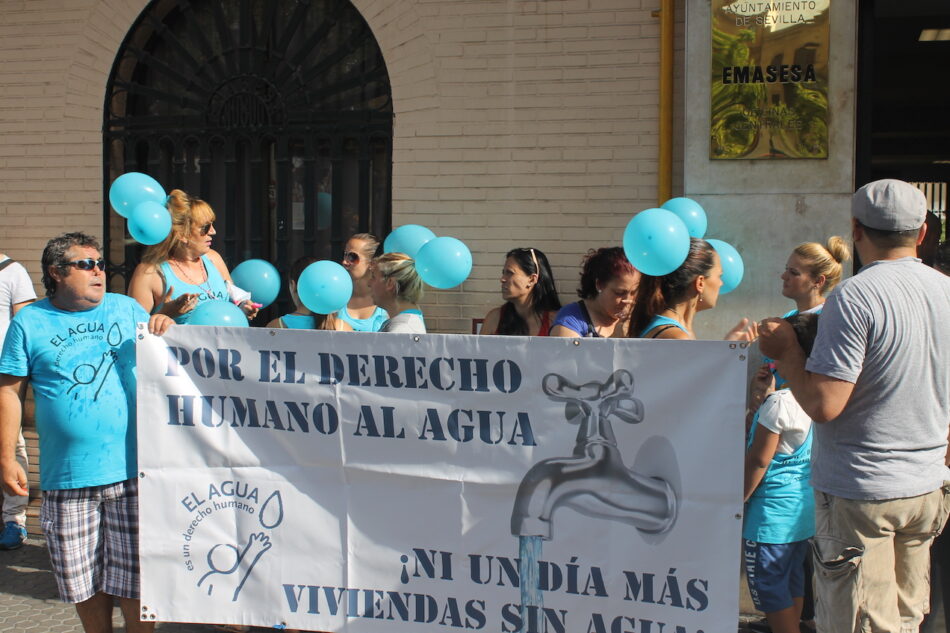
x=529, y=557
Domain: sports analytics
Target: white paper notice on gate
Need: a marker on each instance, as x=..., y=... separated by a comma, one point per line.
x=371, y=483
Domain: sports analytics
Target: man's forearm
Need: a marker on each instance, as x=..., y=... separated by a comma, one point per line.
x=11, y=413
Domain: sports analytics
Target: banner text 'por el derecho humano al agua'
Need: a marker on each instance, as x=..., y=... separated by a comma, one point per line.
x=401, y=483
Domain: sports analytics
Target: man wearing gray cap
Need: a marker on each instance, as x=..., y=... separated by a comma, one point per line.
x=878, y=384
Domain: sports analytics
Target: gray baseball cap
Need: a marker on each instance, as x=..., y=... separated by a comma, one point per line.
x=889, y=205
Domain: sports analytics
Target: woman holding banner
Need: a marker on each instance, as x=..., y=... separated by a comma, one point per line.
x=531, y=300
x=361, y=313
x=666, y=306
x=608, y=286
x=182, y=271
x=396, y=287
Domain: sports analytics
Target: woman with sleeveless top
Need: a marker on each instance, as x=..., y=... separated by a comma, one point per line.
x=811, y=272
x=531, y=300
x=397, y=288
x=608, y=286
x=666, y=306
x=302, y=318
x=179, y=273
x=361, y=313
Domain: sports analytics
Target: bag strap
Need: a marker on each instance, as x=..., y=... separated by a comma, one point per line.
x=6, y=263
x=590, y=323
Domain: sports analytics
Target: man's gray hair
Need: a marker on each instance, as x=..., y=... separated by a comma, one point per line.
x=55, y=254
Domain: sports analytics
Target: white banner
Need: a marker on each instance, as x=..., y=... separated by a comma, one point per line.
x=371, y=483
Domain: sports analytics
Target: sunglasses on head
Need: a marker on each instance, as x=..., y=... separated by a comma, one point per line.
x=351, y=257
x=204, y=228
x=87, y=264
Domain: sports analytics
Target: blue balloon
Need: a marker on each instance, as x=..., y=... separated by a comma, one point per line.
x=444, y=262
x=408, y=239
x=732, y=267
x=690, y=212
x=131, y=189
x=149, y=223
x=218, y=312
x=324, y=287
x=656, y=242
x=258, y=277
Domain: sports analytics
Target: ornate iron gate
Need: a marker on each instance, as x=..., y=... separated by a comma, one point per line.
x=277, y=112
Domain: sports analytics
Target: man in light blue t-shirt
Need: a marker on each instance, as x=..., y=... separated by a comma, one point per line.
x=878, y=384
x=77, y=349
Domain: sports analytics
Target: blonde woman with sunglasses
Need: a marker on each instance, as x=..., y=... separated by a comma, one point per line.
x=179, y=273
x=361, y=313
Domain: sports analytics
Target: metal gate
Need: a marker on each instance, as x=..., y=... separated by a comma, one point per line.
x=277, y=112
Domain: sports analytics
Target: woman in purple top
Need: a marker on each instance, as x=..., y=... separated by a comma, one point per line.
x=608, y=285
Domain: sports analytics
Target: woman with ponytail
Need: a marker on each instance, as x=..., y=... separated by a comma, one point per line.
x=812, y=270
x=666, y=306
x=531, y=300
x=397, y=288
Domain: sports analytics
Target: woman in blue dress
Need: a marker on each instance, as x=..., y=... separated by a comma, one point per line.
x=179, y=273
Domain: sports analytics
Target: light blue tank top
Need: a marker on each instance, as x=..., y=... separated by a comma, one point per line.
x=370, y=324
x=782, y=508
x=299, y=321
x=662, y=320
x=213, y=288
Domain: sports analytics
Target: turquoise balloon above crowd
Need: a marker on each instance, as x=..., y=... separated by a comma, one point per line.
x=656, y=242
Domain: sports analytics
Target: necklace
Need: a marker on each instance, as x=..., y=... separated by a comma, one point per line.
x=187, y=277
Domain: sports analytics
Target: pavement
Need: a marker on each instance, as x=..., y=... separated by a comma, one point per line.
x=29, y=602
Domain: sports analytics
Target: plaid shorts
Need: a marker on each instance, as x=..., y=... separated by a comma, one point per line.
x=93, y=540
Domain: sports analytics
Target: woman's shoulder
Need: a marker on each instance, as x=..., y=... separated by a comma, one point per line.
x=215, y=258
x=570, y=311
x=490, y=322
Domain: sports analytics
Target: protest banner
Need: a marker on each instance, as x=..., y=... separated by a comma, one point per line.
x=335, y=481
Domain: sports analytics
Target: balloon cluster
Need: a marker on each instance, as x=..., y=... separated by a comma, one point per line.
x=141, y=200
x=656, y=241
x=442, y=262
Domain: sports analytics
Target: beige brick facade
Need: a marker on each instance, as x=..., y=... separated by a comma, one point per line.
x=526, y=123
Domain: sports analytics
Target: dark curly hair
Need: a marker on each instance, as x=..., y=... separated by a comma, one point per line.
x=55, y=255
x=600, y=266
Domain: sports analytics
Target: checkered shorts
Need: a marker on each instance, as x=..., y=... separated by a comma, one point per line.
x=93, y=540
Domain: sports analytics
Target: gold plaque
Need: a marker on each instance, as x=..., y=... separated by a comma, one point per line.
x=769, y=79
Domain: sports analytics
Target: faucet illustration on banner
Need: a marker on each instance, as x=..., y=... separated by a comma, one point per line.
x=594, y=480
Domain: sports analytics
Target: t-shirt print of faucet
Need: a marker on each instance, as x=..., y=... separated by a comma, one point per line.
x=87, y=373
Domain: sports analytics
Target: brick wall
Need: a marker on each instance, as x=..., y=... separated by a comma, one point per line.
x=55, y=58
x=517, y=124
x=523, y=124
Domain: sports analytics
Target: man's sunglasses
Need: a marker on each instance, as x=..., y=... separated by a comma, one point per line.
x=351, y=257
x=204, y=228
x=87, y=264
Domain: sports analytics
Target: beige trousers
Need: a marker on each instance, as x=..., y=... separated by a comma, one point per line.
x=872, y=561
